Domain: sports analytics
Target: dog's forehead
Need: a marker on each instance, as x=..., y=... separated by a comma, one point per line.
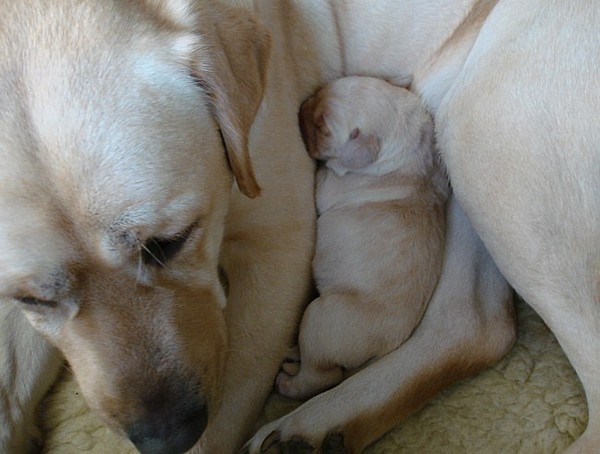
x=83, y=73
x=99, y=127
x=101, y=105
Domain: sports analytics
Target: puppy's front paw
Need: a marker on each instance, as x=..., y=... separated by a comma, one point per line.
x=291, y=363
x=288, y=383
x=287, y=386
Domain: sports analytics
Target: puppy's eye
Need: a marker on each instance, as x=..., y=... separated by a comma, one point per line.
x=35, y=302
x=158, y=251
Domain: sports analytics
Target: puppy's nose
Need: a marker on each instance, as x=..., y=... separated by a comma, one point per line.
x=169, y=434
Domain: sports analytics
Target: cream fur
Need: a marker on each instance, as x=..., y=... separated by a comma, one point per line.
x=380, y=195
x=104, y=104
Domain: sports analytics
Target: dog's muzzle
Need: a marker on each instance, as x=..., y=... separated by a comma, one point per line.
x=168, y=431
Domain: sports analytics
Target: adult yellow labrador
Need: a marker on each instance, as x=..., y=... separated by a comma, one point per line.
x=174, y=295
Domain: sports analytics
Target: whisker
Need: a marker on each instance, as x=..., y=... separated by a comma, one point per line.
x=140, y=267
x=154, y=257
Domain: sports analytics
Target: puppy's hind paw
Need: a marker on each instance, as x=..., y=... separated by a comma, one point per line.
x=290, y=368
x=293, y=354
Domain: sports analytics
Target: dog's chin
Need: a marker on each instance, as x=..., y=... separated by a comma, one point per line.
x=152, y=365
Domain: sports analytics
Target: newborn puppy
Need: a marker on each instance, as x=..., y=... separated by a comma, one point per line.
x=380, y=233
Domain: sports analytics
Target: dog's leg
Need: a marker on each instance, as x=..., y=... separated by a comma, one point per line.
x=523, y=152
x=28, y=367
x=469, y=324
x=258, y=343
x=270, y=284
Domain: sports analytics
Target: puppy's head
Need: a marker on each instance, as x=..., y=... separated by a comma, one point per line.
x=366, y=125
x=120, y=124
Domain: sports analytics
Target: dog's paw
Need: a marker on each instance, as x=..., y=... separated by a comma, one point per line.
x=276, y=443
x=273, y=445
x=334, y=444
x=308, y=429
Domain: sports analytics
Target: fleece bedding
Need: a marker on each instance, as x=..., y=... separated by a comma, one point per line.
x=531, y=402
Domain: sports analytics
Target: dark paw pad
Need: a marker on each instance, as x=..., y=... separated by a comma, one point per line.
x=296, y=447
x=334, y=444
x=287, y=447
x=269, y=444
x=273, y=445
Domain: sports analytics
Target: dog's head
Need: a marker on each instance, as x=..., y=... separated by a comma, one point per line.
x=367, y=125
x=121, y=123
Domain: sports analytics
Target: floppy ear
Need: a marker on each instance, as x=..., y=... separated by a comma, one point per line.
x=227, y=52
x=236, y=80
x=360, y=150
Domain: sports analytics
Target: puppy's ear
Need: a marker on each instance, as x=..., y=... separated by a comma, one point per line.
x=227, y=52
x=312, y=125
x=360, y=150
x=305, y=120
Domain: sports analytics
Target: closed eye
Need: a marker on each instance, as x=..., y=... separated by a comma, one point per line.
x=158, y=251
x=31, y=301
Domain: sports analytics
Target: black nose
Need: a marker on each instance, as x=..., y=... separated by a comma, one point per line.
x=173, y=434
